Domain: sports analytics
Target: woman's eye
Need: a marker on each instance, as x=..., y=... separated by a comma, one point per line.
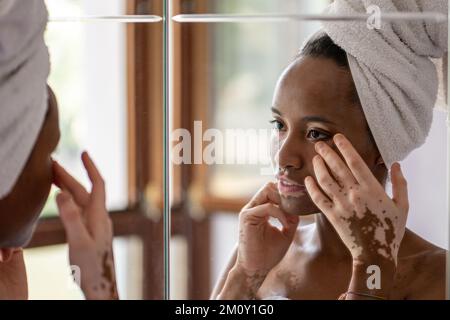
x=277, y=125
x=317, y=135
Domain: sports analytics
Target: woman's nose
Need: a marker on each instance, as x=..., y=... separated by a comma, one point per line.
x=290, y=153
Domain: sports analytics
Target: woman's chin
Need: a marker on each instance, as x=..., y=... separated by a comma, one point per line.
x=299, y=206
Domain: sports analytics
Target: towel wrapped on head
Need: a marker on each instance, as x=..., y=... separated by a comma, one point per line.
x=24, y=68
x=393, y=71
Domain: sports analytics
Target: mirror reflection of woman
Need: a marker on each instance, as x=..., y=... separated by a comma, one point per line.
x=29, y=134
x=330, y=166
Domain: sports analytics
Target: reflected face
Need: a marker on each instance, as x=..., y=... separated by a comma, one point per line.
x=20, y=210
x=313, y=101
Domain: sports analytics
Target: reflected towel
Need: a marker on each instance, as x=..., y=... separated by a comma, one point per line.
x=24, y=68
x=396, y=80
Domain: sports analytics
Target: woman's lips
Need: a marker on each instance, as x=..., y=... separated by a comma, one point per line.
x=290, y=188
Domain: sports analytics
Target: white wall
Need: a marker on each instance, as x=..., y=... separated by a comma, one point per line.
x=426, y=173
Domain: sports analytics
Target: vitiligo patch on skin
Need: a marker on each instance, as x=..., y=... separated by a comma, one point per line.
x=253, y=283
x=106, y=285
x=375, y=234
x=108, y=272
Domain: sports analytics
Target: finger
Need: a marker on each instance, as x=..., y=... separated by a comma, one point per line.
x=268, y=193
x=320, y=200
x=357, y=166
x=267, y=210
x=399, y=187
x=71, y=218
x=98, y=194
x=65, y=181
x=337, y=166
x=325, y=180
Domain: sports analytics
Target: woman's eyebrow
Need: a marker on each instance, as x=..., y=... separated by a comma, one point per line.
x=275, y=110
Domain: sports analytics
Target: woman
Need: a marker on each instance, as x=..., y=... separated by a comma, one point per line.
x=329, y=165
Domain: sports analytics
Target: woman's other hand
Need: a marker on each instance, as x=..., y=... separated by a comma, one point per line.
x=261, y=244
x=88, y=229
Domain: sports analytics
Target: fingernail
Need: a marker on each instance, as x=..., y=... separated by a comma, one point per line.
x=56, y=182
x=338, y=138
x=55, y=176
x=55, y=163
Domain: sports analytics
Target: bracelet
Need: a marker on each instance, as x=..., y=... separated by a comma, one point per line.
x=344, y=295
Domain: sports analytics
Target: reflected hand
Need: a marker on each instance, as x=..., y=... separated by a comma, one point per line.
x=369, y=222
x=89, y=230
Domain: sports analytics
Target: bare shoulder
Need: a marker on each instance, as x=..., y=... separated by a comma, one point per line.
x=422, y=265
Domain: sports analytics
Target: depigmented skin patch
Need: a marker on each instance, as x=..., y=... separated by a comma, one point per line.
x=108, y=273
x=364, y=233
x=105, y=287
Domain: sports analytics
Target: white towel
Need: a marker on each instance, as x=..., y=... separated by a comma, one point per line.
x=395, y=78
x=24, y=68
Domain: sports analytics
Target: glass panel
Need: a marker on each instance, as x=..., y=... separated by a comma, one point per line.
x=224, y=78
x=106, y=72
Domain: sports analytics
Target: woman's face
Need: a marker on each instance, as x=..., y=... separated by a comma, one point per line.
x=20, y=210
x=312, y=102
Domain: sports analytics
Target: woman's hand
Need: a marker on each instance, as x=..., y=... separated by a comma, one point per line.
x=369, y=222
x=261, y=245
x=88, y=229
